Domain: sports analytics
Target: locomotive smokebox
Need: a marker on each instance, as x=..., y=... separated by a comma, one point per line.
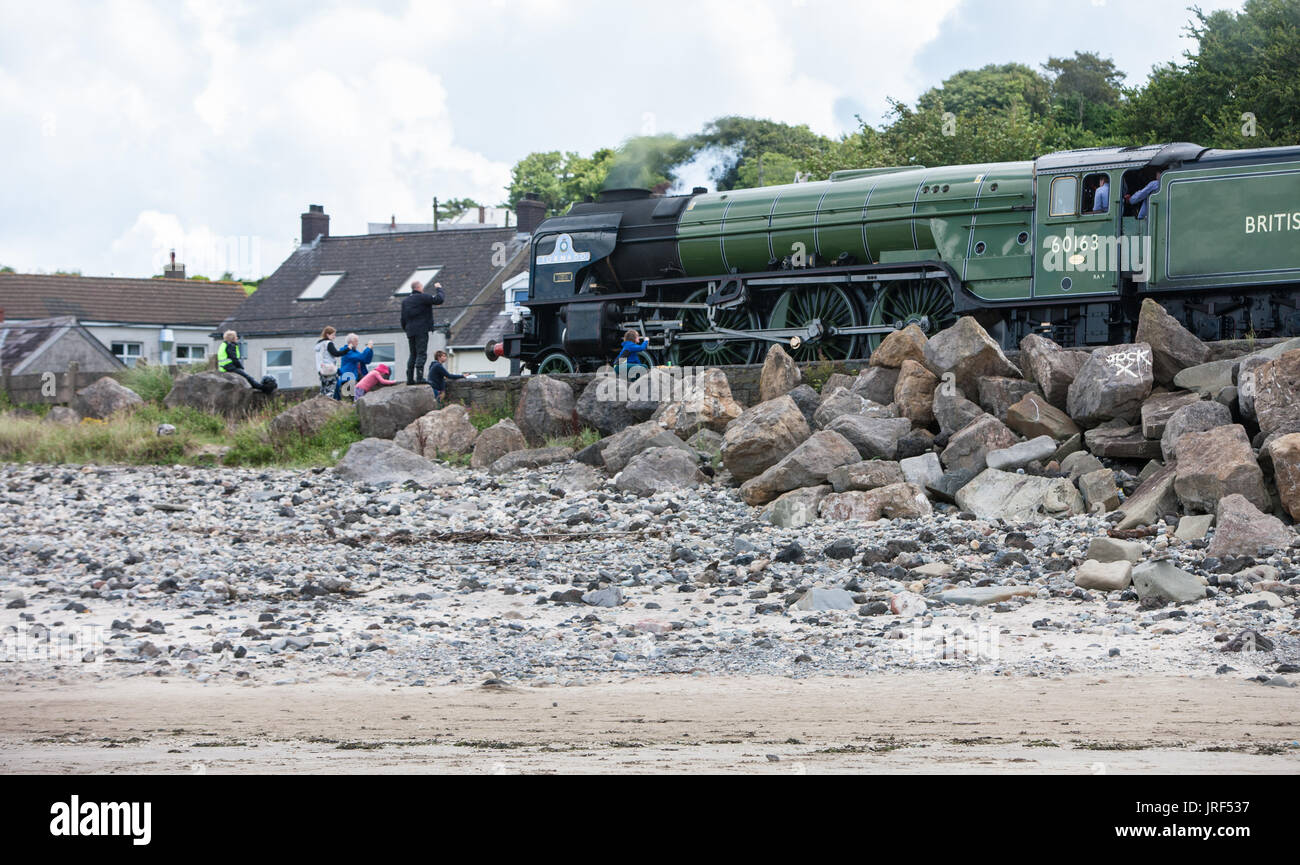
x=591, y=329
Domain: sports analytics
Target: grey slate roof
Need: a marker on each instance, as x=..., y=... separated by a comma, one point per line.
x=375, y=266
x=23, y=342
x=131, y=301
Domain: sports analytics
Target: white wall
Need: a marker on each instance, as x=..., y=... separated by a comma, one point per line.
x=147, y=336
x=472, y=360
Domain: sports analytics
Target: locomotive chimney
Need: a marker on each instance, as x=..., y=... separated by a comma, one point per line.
x=529, y=211
x=315, y=223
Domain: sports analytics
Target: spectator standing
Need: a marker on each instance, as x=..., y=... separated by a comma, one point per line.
x=327, y=365
x=417, y=322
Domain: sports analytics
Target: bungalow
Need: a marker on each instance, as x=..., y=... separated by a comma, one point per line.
x=357, y=283
x=165, y=320
x=50, y=345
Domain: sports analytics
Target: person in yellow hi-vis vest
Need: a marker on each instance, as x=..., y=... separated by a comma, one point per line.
x=229, y=360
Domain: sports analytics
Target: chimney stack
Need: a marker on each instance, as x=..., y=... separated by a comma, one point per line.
x=529, y=212
x=481, y=218
x=174, y=270
x=315, y=223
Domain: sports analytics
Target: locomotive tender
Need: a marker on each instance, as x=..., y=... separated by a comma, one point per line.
x=828, y=269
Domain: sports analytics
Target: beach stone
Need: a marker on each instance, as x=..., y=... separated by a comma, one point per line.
x=796, y=508
x=546, y=409
x=496, y=441
x=531, y=458
x=222, y=393
x=1285, y=454
x=840, y=402
x=780, y=374
x=1121, y=442
x=820, y=599
x=1113, y=383
x=1099, y=491
x=706, y=442
x=874, y=437
x=1051, y=367
x=834, y=382
x=706, y=404
x=921, y=470
x=1209, y=378
x=658, y=469
x=762, y=436
x=442, y=432
x=1173, y=347
x=1196, y=417
x=1193, y=527
x=896, y=501
x=1153, y=498
x=1217, y=463
x=999, y=393
x=1162, y=579
x=304, y=419
x=914, y=443
x=577, y=478
x=610, y=596
x=1021, y=454
x=1106, y=549
x=604, y=404
x=1277, y=393
x=968, y=448
x=1080, y=463
x=807, y=465
x=809, y=401
x=1034, y=416
x=914, y=393
x=945, y=489
x=1160, y=407
x=623, y=446
x=1242, y=529
x=379, y=461
x=866, y=475
x=876, y=384
x=906, y=344
x=385, y=411
x=966, y=350
x=1104, y=576
x=952, y=410
x=995, y=494
x=982, y=596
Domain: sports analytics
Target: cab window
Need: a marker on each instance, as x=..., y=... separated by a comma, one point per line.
x=1090, y=204
x=1065, y=191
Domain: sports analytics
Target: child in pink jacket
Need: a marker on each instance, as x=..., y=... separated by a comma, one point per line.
x=373, y=379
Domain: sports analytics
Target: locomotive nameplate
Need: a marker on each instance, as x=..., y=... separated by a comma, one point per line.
x=563, y=276
x=564, y=253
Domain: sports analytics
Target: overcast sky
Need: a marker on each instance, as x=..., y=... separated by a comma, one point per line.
x=128, y=128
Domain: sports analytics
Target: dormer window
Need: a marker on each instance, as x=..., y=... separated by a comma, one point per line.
x=320, y=286
x=425, y=274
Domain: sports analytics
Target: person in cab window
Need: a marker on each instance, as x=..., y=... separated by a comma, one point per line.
x=1143, y=194
x=1101, y=198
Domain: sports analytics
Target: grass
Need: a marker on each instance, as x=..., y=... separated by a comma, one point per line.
x=582, y=439
x=152, y=383
x=482, y=419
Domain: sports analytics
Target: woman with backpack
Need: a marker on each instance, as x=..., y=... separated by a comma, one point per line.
x=327, y=366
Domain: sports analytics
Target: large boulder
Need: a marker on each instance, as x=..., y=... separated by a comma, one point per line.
x=1034, y=416
x=840, y=402
x=902, y=501
x=1173, y=347
x=952, y=410
x=1218, y=463
x=998, y=393
x=780, y=374
x=968, y=448
x=604, y=404
x=1208, y=379
x=440, y=433
x=106, y=397
x=1153, y=498
x=807, y=465
x=835, y=381
x=967, y=351
x=795, y=508
x=762, y=436
x=810, y=400
x=658, y=469
x=866, y=475
x=532, y=458
x=496, y=441
x=383, y=412
x=1117, y=440
x=1285, y=454
x=1112, y=384
x=1099, y=491
x=1249, y=366
x=379, y=461
x=906, y=344
x=1051, y=367
x=874, y=437
x=1021, y=454
x=706, y=403
x=1241, y=529
x=304, y=419
x=995, y=494
x=546, y=409
x=222, y=393
x=914, y=393
x=1277, y=392
x=621, y=447
x=876, y=384
x=1160, y=407
x=1165, y=581
x=1199, y=416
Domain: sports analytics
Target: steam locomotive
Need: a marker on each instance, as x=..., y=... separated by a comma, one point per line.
x=828, y=269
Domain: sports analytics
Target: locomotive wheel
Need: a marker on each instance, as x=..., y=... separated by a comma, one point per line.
x=909, y=302
x=556, y=363
x=830, y=304
x=712, y=352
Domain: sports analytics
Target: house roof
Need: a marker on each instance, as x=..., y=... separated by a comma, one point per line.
x=21, y=342
x=374, y=266
x=129, y=301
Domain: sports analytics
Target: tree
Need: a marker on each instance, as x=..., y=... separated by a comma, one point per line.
x=1086, y=90
x=739, y=142
x=454, y=207
x=767, y=169
x=647, y=161
x=990, y=88
x=6, y=269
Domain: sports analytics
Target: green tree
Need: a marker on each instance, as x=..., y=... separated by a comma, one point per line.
x=6, y=269
x=454, y=207
x=767, y=169
x=1086, y=91
x=739, y=142
x=990, y=88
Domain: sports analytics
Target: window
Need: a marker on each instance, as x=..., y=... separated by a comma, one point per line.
x=385, y=353
x=278, y=363
x=191, y=353
x=1091, y=183
x=320, y=286
x=127, y=352
x=516, y=289
x=1064, y=192
x=425, y=273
